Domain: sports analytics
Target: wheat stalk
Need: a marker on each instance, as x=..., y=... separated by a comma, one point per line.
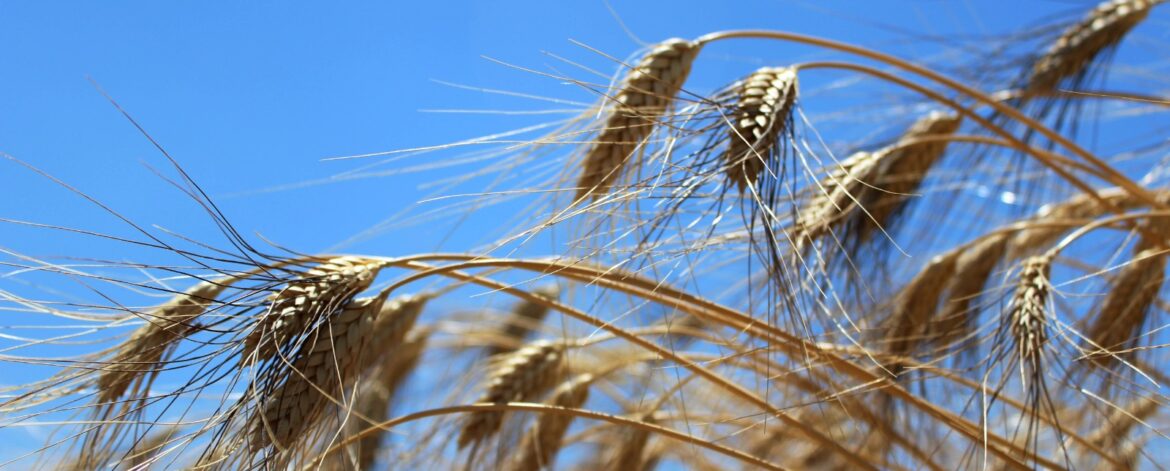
x=763, y=114
x=645, y=95
x=518, y=376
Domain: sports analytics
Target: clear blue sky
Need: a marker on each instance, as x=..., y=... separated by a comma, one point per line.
x=251, y=96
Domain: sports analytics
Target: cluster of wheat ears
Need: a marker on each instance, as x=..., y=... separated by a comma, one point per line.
x=729, y=295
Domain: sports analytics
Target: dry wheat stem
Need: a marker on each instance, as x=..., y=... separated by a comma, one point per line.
x=645, y=96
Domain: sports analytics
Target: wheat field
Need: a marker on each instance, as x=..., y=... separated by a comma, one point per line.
x=855, y=261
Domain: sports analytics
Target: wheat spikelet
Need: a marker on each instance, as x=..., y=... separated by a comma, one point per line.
x=763, y=114
x=1028, y=312
x=319, y=292
x=1081, y=43
x=328, y=361
x=1078, y=208
x=645, y=96
x=378, y=392
x=878, y=183
x=519, y=376
x=1119, y=319
x=142, y=353
x=973, y=267
x=917, y=302
x=631, y=451
x=524, y=317
x=540, y=444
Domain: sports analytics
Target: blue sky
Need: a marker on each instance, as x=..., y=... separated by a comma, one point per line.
x=250, y=97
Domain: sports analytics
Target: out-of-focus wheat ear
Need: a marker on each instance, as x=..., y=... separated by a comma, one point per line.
x=522, y=375
x=142, y=354
x=376, y=394
x=631, y=452
x=869, y=190
x=542, y=442
x=646, y=94
x=1054, y=220
x=1075, y=50
x=324, y=367
x=318, y=293
x=1118, y=425
x=1117, y=323
x=917, y=303
x=763, y=115
x=973, y=267
x=1028, y=314
x=524, y=318
x=148, y=448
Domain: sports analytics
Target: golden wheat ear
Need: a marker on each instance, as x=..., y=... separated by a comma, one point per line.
x=1077, y=48
x=522, y=375
x=541, y=443
x=867, y=191
x=375, y=396
x=645, y=96
x=1028, y=314
x=1116, y=329
x=319, y=292
x=765, y=101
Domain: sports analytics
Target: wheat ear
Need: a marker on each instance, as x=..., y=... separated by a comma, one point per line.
x=646, y=94
x=1118, y=322
x=763, y=114
x=327, y=364
x=319, y=292
x=524, y=318
x=518, y=376
x=1075, y=49
x=1028, y=313
x=376, y=395
x=916, y=304
x=540, y=444
x=147, y=347
x=869, y=190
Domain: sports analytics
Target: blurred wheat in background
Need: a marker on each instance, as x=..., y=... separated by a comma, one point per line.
x=740, y=278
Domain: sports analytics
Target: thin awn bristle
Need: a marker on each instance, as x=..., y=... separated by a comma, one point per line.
x=519, y=376
x=540, y=444
x=877, y=183
x=763, y=115
x=1081, y=43
x=327, y=363
x=147, y=347
x=525, y=316
x=646, y=94
x=321, y=291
